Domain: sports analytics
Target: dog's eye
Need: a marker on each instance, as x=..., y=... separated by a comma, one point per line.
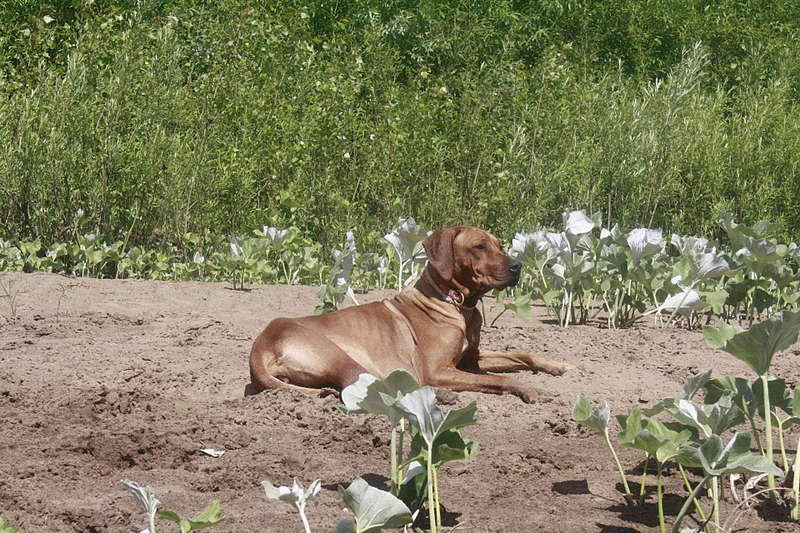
x=479, y=247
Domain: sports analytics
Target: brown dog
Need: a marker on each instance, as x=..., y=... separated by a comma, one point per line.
x=432, y=330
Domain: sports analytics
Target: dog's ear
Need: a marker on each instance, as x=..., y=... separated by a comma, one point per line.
x=439, y=248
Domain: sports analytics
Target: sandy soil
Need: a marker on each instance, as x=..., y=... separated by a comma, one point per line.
x=103, y=380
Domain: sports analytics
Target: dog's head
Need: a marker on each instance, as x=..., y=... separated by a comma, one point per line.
x=470, y=260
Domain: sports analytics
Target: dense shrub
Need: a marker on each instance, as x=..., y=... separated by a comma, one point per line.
x=161, y=118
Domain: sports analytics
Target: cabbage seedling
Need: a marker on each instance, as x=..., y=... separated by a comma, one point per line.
x=369, y=394
x=718, y=460
x=147, y=497
x=521, y=306
x=373, y=509
x=404, y=239
x=597, y=419
x=210, y=516
x=657, y=441
x=756, y=347
x=294, y=496
x=434, y=425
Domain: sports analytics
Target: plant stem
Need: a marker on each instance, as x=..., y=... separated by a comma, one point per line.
x=306, y=527
x=393, y=461
x=690, y=490
x=152, y=528
x=795, y=514
x=431, y=495
x=756, y=434
x=628, y=495
x=437, y=508
x=715, y=497
x=783, y=448
x=685, y=507
x=768, y=430
x=661, y=524
x=643, y=483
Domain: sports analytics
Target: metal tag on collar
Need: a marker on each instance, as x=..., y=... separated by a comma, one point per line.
x=455, y=297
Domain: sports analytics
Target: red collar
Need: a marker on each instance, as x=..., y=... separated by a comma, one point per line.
x=453, y=296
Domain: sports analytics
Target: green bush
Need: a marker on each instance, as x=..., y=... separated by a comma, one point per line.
x=163, y=118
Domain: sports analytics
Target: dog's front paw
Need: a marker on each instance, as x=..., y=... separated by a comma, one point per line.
x=529, y=394
x=557, y=369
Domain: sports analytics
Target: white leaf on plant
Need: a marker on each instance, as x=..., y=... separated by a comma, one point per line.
x=686, y=245
x=577, y=223
x=147, y=497
x=414, y=469
x=644, y=242
x=684, y=302
x=275, y=236
x=296, y=495
x=405, y=237
x=235, y=246
x=611, y=234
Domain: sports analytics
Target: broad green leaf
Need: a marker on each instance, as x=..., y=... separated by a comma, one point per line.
x=715, y=299
x=631, y=426
x=420, y=408
x=733, y=458
x=690, y=388
x=369, y=394
x=450, y=446
x=596, y=419
x=373, y=509
x=208, y=517
x=779, y=395
x=758, y=345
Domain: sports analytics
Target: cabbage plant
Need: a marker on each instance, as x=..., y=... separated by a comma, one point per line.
x=208, y=517
x=597, y=419
x=719, y=459
x=438, y=429
x=338, y=286
x=756, y=348
x=406, y=239
x=295, y=496
x=369, y=394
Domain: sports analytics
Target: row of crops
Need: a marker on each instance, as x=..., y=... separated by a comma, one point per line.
x=584, y=272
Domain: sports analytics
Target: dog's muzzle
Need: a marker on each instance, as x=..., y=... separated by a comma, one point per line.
x=514, y=270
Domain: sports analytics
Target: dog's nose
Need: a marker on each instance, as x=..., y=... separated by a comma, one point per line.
x=514, y=266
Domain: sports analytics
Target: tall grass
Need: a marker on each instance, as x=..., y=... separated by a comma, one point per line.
x=163, y=118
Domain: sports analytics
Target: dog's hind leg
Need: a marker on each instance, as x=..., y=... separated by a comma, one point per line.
x=291, y=355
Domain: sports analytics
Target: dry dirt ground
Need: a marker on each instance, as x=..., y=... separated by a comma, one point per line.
x=103, y=380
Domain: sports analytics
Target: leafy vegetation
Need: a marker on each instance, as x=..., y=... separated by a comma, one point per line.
x=435, y=436
x=629, y=272
x=693, y=438
x=208, y=517
x=175, y=117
